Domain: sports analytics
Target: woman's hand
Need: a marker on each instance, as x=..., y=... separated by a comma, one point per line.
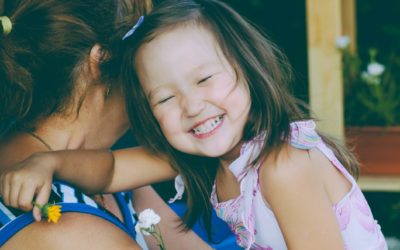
x=28, y=180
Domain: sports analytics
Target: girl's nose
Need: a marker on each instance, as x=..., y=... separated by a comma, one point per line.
x=193, y=106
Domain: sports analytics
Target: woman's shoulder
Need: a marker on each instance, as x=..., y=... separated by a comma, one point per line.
x=73, y=231
x=76, y=208
x=79, y=213
x=13, y=148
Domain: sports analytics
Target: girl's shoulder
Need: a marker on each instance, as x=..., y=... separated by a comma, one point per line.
x=294, y=170
x=288, y=166
x=304, y=157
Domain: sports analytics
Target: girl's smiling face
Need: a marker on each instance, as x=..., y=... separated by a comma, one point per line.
x=193, y=91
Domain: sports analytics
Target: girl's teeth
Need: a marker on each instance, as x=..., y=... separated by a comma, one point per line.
x=207, y=126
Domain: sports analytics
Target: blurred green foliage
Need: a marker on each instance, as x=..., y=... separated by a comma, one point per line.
x=376, y=100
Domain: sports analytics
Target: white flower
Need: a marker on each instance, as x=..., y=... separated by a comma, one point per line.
x=342, y=42
x=370, y=79
x=375, y=69
x=147, y=225
x=140, y=229
x=147, y=219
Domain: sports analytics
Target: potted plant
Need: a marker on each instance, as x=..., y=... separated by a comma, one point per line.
x=372, y=108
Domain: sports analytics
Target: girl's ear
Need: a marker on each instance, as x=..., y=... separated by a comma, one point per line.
x=96, y=56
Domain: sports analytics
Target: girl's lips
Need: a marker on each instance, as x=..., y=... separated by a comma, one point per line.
x=203, y=121
x=210, y=129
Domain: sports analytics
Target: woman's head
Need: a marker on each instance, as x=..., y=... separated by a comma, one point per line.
x=44, y=60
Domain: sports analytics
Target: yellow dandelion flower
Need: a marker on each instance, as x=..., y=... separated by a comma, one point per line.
x=50, y=211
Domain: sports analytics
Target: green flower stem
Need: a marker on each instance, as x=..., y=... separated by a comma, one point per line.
x=42, y=208
x=156, y=233
x=161, y=240
x=37, y=205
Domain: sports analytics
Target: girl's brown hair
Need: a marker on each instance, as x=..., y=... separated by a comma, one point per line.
x=42, y=57
x=257, y=60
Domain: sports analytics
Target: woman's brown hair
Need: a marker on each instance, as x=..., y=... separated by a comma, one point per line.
x=42, y=56
x=255, y=59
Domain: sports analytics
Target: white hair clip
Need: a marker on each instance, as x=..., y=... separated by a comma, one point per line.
x=130, y=32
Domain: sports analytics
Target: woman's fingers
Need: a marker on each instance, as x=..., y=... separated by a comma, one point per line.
x=26, y=195
x=5, y=190
x=1, y=185
x=42, y=197
x=24, y=181
x=37, y=215
x=15, y=187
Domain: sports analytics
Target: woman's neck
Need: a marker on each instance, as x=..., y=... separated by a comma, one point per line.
x=53, y=134
x=61, y=134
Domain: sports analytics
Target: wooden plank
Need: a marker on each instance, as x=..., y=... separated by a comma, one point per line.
x=380, y=183
x=349, y=24
x=324, y=25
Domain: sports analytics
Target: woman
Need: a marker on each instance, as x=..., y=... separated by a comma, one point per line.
x=58, y=91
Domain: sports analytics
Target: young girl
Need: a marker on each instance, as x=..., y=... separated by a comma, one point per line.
x=206, y=92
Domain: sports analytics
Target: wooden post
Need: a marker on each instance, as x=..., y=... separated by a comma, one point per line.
x=349, y=24
x=324, y=25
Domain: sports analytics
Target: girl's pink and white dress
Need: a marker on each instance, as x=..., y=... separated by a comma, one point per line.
x=254, y=224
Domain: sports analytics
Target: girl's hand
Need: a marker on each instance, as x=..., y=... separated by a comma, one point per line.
x=28, y=180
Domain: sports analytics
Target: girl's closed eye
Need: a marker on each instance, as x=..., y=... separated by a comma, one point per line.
x=164, y=100
x=204, y=79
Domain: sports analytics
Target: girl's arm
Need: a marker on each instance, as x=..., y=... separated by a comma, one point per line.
x=103, y=171
x=93, y=171
x=136, y=167
x=292, y=185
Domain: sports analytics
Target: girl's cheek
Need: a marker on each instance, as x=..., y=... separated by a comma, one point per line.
x=222, y=88
x=167, y=119
x=158, y=115
x=228, y=92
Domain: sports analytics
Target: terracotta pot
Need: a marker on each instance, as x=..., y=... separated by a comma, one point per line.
x=377, y=148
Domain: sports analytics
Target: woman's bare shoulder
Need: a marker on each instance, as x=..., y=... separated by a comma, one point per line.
x=73, y=231
x=14, y=149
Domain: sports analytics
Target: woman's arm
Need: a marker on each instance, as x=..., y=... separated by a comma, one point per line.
x=93, y=171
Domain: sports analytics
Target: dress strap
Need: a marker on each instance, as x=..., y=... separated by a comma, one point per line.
x=303, y=134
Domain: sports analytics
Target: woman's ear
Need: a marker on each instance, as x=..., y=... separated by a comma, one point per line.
x=95, y=57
